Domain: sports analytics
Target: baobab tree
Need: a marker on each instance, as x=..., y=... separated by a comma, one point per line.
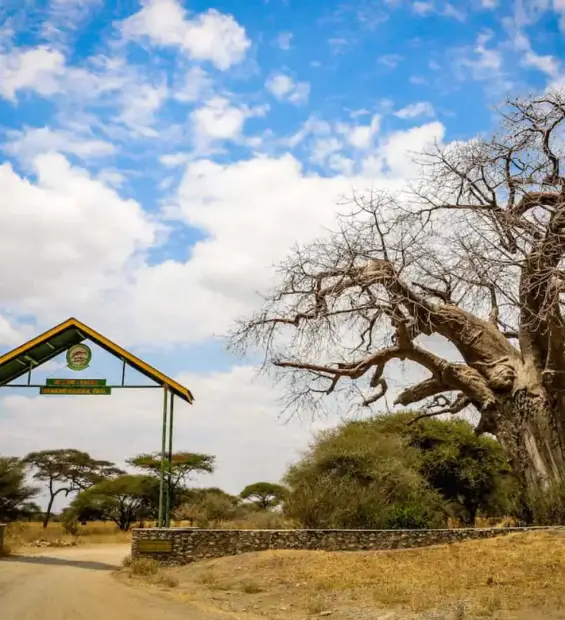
x=471, y=251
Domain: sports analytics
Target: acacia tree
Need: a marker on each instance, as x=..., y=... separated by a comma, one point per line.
x=264, y=495
x=124, y=499
x=67, y=471
x=184, y=465
x=473, y=252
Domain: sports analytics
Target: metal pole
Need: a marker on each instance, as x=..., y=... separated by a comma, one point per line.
x=160, y=522
x=123, y=372
x=170, y=486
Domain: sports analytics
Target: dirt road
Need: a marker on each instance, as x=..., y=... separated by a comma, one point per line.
x=77, y=584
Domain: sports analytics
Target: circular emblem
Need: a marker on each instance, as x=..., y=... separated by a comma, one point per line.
x=78, y=357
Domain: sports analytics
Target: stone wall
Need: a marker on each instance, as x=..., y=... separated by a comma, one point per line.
x=188, y=545
x=2, y=530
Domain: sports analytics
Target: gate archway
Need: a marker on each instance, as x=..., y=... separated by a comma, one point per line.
x=70, y=336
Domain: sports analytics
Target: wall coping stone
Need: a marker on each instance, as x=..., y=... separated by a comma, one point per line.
x=444, y=529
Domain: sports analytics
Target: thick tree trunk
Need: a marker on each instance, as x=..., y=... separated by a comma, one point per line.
x=530, y=427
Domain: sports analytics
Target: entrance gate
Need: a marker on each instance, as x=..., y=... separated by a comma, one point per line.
x=70, y=336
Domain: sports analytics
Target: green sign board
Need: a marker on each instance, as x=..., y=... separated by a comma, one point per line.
x=86, y=390
x=76, y=382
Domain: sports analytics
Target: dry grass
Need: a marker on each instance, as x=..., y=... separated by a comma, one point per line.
x=20, y=534
x=150, y=571
x=475, y=579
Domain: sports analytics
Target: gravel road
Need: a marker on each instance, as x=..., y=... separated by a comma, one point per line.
x=77, y=584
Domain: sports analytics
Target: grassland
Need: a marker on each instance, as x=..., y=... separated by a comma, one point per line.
x=20, y=535
x=518, y=576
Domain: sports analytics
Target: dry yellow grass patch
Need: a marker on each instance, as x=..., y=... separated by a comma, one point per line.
x=482, y=578
x=98, y=532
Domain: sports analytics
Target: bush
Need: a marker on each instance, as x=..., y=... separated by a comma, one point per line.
x=71, y=525
x=144, y=567
x=358, y=477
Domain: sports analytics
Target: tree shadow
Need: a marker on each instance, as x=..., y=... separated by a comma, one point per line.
x=52, y=561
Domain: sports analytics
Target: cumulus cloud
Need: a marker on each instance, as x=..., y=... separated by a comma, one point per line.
x=211, y=36
x=284, y=88
x=36, y=69
x=217, y=120
x=73, y=236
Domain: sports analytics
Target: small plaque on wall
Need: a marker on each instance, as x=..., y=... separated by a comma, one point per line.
x=155, y=546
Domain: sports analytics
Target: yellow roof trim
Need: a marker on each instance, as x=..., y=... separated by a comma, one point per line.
x=107, y=344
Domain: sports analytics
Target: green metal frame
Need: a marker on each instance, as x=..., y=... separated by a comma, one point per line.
x=23, y=360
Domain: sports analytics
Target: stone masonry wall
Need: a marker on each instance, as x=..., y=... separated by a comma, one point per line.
x=189, y=545
x=2, y=530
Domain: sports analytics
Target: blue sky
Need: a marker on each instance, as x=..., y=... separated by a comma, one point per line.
x=158, y=157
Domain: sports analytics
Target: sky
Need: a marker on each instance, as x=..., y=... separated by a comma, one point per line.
x=158, y=158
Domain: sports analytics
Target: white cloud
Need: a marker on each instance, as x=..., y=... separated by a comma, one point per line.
x=489, y=4
x=219, y=120
x=73, y=236
x=323, y=148
x=83, y=248
x=284, y=40
x=360, y=136
x=140, y=106
x=172, y=160
x=545, y=63
x=196, y=85
x=235, y=417
x=284, y=88
x=450, y=10
x=559, y=8
x=483, y=62
x=32, y=141
x=210, y=36
x=37, y=69
x=423, y=8
x=421, y=108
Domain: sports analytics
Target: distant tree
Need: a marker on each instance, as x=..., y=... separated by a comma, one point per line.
x=15, y=494
x=356, y=476
x=209, y=505
x=184, y=466
x=124, y=499
x=67, y=471
x=264, y=495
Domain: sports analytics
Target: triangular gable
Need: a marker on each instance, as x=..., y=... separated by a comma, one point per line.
x=48, y=345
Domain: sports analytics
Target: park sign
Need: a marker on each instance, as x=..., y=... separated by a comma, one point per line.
x=75, y=390
x=75, y=386
x=78, y=357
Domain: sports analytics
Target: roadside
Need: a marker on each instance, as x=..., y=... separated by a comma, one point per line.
x=516, y=577
x=78, y=584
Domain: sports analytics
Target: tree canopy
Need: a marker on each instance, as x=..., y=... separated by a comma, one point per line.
x=124, y=499
x=264, y=495
x=471, y=251
x=15, y=494
x=356, y=476
x=470, y=472
x=67, y=471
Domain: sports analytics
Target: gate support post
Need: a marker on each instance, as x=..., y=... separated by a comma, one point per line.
x=162, y=509
x=170, y=462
